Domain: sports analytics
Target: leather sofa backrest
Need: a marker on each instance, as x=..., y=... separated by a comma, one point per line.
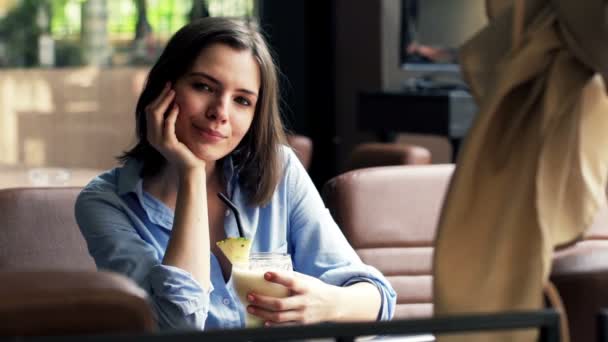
x=38, y=230
x=43, y=303
x=580, y=274
x=50, y=285
x=389, y=215
x=385, y=154
x=303, y=147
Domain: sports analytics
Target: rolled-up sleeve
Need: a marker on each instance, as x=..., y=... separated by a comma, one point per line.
x=318, y=246
x=110, y=231
x=371, y=275
x=177, y=297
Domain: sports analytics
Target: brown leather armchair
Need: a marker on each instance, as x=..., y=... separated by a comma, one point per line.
x=385, y=154
x=389, y=215
x=302, y=146
x=50, y=285
x=59, y=302
x=39, y=230
x=580, y=274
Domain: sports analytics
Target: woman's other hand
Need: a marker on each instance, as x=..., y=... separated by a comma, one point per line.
x=161, y=132
x=310, y=300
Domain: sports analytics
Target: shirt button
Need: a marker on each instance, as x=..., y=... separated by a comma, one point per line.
x=226, y=301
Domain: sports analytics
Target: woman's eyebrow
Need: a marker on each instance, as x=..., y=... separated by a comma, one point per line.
x=217, y=82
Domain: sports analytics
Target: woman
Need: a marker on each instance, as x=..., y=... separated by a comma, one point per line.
x=208, y=122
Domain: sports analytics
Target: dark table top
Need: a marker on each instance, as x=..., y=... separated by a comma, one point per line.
x=447, y=113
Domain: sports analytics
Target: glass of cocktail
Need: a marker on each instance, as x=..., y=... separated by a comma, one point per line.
x=249, y=277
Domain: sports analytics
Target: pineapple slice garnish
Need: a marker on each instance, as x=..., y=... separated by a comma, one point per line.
x=236, y=249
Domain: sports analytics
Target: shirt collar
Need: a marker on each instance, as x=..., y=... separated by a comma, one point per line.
x=129, y=177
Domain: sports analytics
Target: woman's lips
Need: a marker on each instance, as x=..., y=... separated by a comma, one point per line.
x=210, y=135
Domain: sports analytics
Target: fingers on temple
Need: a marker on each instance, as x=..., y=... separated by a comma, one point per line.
x=163, y=93
x=169, y=124
x=155, y=112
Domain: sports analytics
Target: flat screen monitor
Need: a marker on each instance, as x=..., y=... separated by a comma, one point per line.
x=432, y=31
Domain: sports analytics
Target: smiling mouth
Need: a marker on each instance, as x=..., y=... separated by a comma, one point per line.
x=210, y=133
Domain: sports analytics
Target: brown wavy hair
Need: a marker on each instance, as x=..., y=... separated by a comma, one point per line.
x=256, y=158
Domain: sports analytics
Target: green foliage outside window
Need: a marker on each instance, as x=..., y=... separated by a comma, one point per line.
x=66, y=19
x=19, y=32
x=19, y=28
x=165, y=16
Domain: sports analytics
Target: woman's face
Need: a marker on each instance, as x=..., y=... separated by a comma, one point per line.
x=217, y=99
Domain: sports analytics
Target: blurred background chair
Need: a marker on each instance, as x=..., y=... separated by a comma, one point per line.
x=39, y=230
x=389, y=215
x=18, y=176
x=43, y=303
x=580, y=274
x=49, y=282
x=302, y=146
x=384, y=154
x=440, y=147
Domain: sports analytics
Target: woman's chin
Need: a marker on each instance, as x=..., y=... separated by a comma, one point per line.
x=207, y=152
x=208, y=156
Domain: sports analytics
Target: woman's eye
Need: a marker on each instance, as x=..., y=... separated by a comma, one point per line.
x=242, y=101
x=201, y=86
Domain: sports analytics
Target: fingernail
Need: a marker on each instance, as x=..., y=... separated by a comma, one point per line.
x=250, y=309
x=250, y=298
x=268, y=276
x=267, y=324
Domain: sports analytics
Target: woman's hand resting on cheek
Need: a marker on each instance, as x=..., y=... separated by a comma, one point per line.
x=310, y=300
x=161, y=132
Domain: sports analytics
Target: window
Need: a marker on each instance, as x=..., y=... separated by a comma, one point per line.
x=99, y=31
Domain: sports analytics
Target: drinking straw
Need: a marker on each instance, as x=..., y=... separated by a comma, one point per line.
x=235, y=211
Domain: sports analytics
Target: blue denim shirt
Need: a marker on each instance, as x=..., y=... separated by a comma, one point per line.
x=127, y=231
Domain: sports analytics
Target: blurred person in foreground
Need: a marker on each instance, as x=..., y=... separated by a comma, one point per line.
x=208, y=122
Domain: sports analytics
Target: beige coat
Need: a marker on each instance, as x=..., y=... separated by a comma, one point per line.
x=533, y=169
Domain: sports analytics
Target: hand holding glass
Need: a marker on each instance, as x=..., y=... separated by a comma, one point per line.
x=249, y=277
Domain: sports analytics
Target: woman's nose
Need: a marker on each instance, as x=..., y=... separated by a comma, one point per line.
x=219, y=109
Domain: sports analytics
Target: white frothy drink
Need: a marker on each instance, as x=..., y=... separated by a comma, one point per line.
x=246, y=281
x=249, y=277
